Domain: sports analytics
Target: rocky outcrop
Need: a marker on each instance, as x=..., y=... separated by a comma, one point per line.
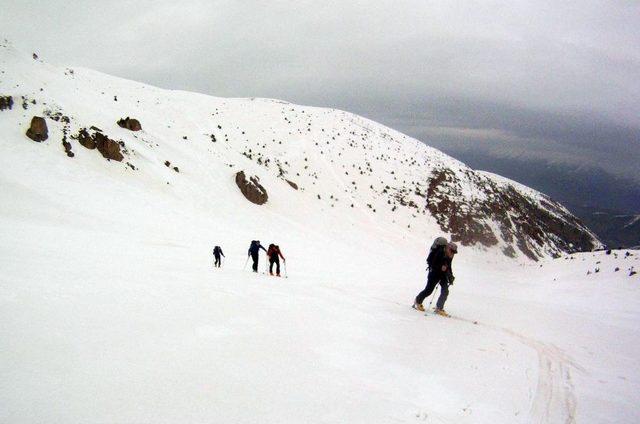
x=108, y=148
x=130, y=124
x=6, y=102
x=535, y=225
x=38, y=130
x=251, y=188
x=85, y=139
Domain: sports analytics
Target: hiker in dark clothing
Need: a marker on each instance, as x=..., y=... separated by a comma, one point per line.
x=274, y=255
x=440, y=272
x=254, y=249
x=217, y=252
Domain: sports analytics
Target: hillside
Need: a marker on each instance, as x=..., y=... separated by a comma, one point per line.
x=353, y=169
x=111, y=310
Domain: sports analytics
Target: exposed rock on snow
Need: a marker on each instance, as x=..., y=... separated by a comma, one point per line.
x=38, y=130
x=6, y=102
x=292, y=184
x=67, y=148
x=85, y=139
x=108, y=148
x=251, y=188
x=130, y=124
x=531, y=225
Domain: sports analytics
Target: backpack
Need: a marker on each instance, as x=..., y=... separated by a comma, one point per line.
x=438, y=243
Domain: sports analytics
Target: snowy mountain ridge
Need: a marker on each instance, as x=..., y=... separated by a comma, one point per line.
x=334, y=162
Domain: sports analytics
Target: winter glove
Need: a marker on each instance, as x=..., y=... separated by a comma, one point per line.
x=451, y=280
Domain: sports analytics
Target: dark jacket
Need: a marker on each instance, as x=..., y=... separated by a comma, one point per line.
x=439, y=260
x=274, y=252
x=217, y=251
x=255, y=247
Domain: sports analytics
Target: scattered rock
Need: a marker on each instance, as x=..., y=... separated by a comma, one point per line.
x=108, y=148
x=251, y=189
x=6, y=102
x=38, y=130
x=35, y=56
x=175, y=168
x=167, y=163
x=130, y=124
x=67, y=148
x=292, y=184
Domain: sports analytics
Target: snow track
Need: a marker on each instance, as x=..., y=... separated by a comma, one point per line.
x=554, y=400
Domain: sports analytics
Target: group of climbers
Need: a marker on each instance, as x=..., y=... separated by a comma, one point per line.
x=273, y=253
x=439, y=267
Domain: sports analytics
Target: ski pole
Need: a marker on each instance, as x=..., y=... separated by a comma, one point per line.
x=433, y=296
x=284, y=265
x=245, y=263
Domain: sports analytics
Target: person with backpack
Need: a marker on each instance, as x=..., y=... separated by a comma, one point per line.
x=274, y=255
x=440, y=272
x=217, y=252
x=254, y=250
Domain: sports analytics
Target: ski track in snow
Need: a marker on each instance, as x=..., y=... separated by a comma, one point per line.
x=554, y=400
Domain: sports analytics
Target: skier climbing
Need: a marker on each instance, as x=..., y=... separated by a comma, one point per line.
x=217, y=252
x=254, y=250
x=274, y=255
x=440, y=272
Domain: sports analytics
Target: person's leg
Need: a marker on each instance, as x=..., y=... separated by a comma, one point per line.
x=444, y=292
x=271, y=261
x=255, y=262
x=431, y=284
x=277, y=266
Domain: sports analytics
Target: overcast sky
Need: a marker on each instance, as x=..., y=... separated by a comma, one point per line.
x=545, y=80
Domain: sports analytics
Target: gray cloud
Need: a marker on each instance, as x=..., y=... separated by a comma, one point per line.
x=524, y=78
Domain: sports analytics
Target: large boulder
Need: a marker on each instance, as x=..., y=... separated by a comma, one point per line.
x=108, y=148
x=130, y=124
x=251, y=188
x=38, y=130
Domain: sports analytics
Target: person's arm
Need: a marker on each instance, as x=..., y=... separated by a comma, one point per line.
x=262, y=247
x=221, y=252
x=280, y=253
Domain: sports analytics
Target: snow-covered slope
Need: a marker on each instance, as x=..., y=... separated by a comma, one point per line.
x=110, y=310
x=346, y=167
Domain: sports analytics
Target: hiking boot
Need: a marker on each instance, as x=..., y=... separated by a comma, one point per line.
x=278, y=274
x=418, y=306
x=442, y=312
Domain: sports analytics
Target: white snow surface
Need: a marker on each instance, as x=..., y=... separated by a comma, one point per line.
x=111, y=312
